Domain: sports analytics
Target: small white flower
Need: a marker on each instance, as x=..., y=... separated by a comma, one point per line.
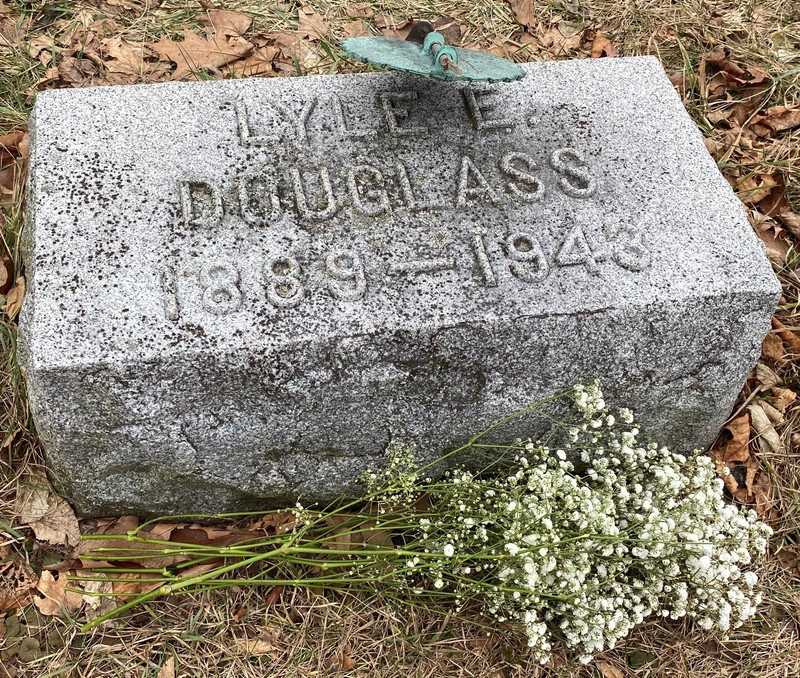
x=448, y=550
x=438, y=584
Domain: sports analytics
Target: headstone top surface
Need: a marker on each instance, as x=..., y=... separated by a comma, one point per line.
x=184, y=217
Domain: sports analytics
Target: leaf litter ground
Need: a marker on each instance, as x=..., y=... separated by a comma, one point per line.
x=737, y=69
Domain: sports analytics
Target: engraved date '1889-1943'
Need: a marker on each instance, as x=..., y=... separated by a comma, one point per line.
x=285, y=282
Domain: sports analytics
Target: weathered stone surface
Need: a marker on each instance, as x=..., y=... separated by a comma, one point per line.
x=241, y=291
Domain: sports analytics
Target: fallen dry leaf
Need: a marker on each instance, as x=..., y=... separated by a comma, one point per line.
x=273, y=596
x=167, y=669
x=559, y=43
x=347, y=536
x=737, y=448
x=94, y=605
x=734, y=73
x=58, y=525
x=360, y=10
x=13, y=158
x=609, y=670
x=524, y=11
x=341, y=660
x=780, y=118
x=355, y=29
x=194, y=53
x=31, y=502
x=392, y=29
x=294, y=50
x=766, y=377
x=312, y=25
x=790, y=340
x=681, y=82
x=782, y=398
x=768, y=438
x=42, y=48
x=449, y=28
x=258, y=63
x=602, y=47
x=772, y=348
x=14, y=298
x=17, y=582
x=276, y=522
x=78, y=72
x=266, y=643
x=123, y=56
x=789, y=558
x=6, y=273
x=752, y=190
x=54, y=599
x=791, y=220
x=225, y=22
x=50, y=76
x=774, y=414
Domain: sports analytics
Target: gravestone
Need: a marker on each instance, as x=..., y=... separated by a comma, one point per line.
x=240, y=292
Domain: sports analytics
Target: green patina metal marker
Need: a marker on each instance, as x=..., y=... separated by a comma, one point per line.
x=425, y=52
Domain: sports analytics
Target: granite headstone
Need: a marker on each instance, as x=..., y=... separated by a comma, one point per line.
x=241, y=291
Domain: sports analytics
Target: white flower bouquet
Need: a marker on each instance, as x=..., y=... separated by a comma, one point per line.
x=574, y=545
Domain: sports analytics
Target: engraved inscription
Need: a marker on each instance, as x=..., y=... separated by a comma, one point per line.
x=301, y=201
x=576, y=251
x=528, y=262
x=341, y=122
x=315, y=193
x=421, y=265
x=473, y=185
x=345, y=269
x=482, y=257
x=484, y=186
x=282, y=278
x=524, y=184
x=575, y=179
x=258, y=200
x=407, y=190
x=478, y=109
x=301, y=123
x=221, y=293
x=628, y=249
x=169, y=286
x=372, y=199
x=201, y=204
x=347, y=280
x=396, y=112
x=246, y=136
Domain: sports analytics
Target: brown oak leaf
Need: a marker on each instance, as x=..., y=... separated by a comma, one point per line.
x=58, y=525
x=736, y=450
x=524, y=11
x=602, y=47
x=14, y=298
x=124, y=57
x=53, y=598
x=355, y=29
x=312, y=25
x=226, y=22
x=779, y=118
x=194, y=53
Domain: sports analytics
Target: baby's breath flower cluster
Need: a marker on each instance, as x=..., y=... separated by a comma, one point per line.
x=584, y=555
